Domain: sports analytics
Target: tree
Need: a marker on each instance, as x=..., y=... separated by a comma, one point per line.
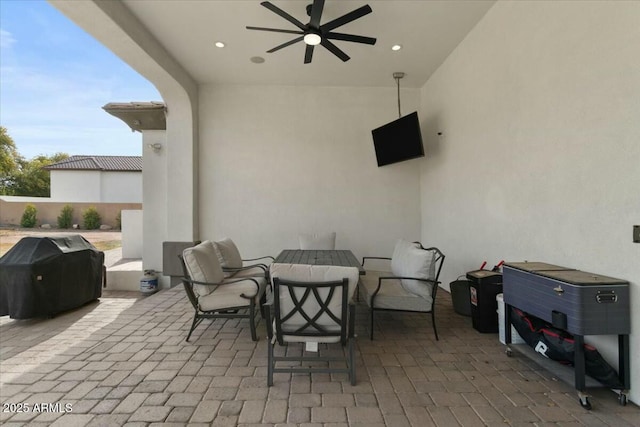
x=22, y=177
x=9, y=162
x=32, y=179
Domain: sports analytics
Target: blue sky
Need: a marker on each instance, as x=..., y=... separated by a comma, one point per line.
x=54, y=80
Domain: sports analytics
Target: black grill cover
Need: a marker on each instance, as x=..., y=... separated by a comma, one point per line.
x=42, y=276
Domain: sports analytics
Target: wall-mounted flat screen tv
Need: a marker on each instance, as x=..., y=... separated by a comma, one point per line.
x=398, y=140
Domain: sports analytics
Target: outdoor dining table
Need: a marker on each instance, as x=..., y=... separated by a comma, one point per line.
x=343, y=258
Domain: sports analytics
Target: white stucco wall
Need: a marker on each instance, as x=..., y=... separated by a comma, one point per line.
x=75, y=186
x=121, y=187
x=96, y=186
x=132, y=236
x=279, y=161
x=539, y=157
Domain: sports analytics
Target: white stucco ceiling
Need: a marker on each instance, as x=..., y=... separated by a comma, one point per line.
x=428, y=30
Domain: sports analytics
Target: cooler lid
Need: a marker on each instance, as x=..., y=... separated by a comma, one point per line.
x=576, y=277
x=481, y=274
x=534, y=266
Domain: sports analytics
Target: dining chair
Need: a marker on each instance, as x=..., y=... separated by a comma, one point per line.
x=311, y=306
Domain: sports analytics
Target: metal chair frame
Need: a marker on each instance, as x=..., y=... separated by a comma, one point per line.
x=344, y=319
x=439, y=260
x=222, y=313
x=262, y=266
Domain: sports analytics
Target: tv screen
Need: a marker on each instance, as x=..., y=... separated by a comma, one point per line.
x=398, y=140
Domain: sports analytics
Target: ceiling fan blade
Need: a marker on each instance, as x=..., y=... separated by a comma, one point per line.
x=345, y=19
x=308, y=54
x=275, y=30
x=350, y=38
x=316, y=13
x=289, y=43
x=275, y=9
x=334, y=49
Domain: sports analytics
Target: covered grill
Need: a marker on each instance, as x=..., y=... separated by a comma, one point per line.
x=42, y=276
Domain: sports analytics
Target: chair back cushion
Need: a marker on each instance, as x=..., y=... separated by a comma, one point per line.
x=410, y=260
x=228, y=253
x=203, y=266
x=313, y=274
x=318, y=241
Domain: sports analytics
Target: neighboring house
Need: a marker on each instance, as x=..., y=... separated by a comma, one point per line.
x=97, y=179
x=111, y=184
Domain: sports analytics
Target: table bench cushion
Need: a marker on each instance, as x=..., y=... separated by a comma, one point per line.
x=392, y=294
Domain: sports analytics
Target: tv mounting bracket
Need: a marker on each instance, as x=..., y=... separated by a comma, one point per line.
x=397, y=76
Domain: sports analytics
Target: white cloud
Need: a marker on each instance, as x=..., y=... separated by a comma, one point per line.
x=6, y=39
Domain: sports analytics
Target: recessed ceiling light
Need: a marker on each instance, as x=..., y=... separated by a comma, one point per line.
x=257, y=59
x=396, y=47
x=219, y=44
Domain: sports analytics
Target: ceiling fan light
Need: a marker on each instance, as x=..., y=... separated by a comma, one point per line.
x=312, y=39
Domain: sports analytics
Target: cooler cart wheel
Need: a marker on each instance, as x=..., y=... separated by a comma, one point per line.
x=508, y=352
x=622, y=398
x=584, y=401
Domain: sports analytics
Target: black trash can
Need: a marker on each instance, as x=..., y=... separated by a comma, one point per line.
x=460, y=296
x=484, y=287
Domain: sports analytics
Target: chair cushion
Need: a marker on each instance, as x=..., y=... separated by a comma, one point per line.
x=314, y=273
x=409, y=260
x=228, y=294
x=203, y=265
x=392, y=294
x=228, y=253
x=318, y=241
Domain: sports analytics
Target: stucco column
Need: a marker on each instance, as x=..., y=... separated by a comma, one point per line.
x=154, y=197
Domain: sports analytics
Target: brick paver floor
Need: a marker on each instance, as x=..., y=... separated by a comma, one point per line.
x=123, y=361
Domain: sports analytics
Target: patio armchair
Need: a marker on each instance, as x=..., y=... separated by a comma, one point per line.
x=234, y=266
x=411, y=286
x=214, y=296
x=311, y=305
x=318, y=241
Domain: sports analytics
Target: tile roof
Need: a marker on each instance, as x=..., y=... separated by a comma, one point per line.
x=100, y=163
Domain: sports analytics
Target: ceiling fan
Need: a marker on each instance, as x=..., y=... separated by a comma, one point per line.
x=314, y=34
